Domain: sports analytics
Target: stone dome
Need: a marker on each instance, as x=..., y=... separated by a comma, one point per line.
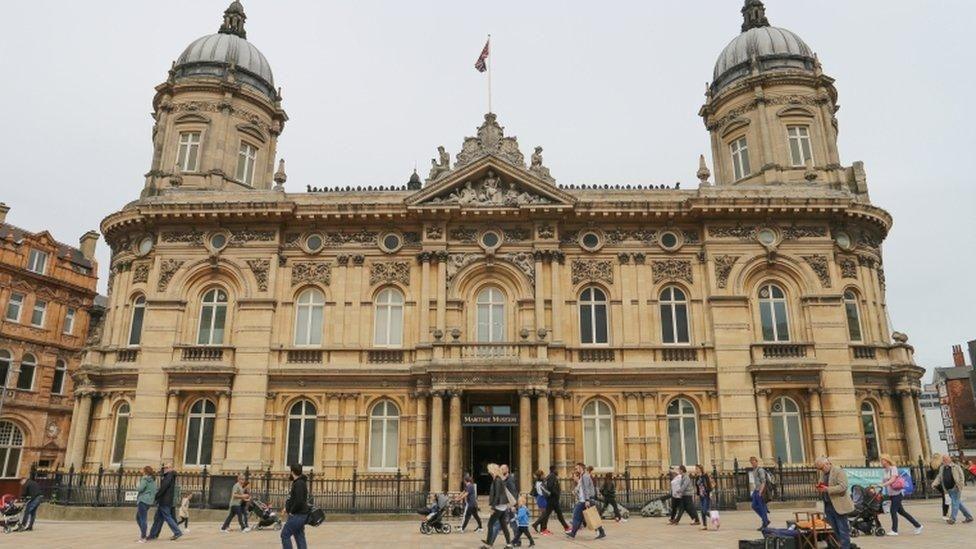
x=214, y=54
x=773, y=48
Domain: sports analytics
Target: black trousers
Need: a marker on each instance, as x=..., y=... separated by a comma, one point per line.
x=184, y=522
x=468, y=513
x=499, y=517
x=238, y=511
x=686, y=504
x=607, y=502
x=552, y=506
x=518, y=535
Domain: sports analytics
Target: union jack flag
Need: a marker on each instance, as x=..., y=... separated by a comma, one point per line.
x=480, y=63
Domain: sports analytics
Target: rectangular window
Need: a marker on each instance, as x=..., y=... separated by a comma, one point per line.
x=740, y=158
x=245, y=163
x=14, y=307
x=57, y=385
x=799, y=137
x=69, y=321
x=121, y=432
x=36, y=261
x=37, y=317
x=189, y=151
x=25, y=379
x=853, y=323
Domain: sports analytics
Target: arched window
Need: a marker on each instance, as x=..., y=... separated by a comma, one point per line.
x=593, y=316
x=138, y=314
x=5, y=363
x=60, y=371
x=25, y=380
x=491, y=315
x=301, y=434
x=682, y=432
x=11, y=446
x=870, y=427
x=384, y=436
x=388, y=321
x=598, y=434
x=199, y=432
x=213, y=317
x=853, y=315
x=674, y=316
x=787, y=430
x=120, y=433
x=309, y=316
x=772, y=313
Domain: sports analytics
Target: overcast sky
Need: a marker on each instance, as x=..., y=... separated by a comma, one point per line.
x=610, y=89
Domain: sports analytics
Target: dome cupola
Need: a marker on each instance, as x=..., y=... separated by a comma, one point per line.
x=215, y=55
x=770, y=48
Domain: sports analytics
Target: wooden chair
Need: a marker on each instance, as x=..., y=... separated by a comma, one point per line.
x=812, y=528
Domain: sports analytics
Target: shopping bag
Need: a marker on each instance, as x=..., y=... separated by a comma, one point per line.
x=886, y=507
x=592, y=517
x=713, y=516
x=947, y=499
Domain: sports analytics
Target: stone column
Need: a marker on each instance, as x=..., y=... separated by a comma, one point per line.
x=540, y=301
x=653, y=454
x=544, y=451
x=525, y=439
x=436, y=443
x=910, y=425
x=559, y=420
x=554, y=266
x=442, y=291
x=420, y=451
x=72, y=430
x=169, y=427
x=220, y=429
x=423, y=302
x=817, y=423
x=762, y=418
x=80, y=428
x=454, y=438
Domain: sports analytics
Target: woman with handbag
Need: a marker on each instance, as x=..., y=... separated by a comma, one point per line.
x=895, y=484
x=498, y=500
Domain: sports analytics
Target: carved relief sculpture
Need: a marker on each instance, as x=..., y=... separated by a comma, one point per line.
x=490, y=191
x=674, y=269
x=592, y=269
x=310, y=272
x=167, y=269
x=440, y=165
x=140, y=273
x=491, y=140
x=387, y=272
x=260, y=268
x=820, y=266
x=723, y=267
x=848, y=268
x=537, y=168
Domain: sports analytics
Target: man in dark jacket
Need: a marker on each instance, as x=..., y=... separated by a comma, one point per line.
x=30, y=493
x=297, y=508
x=165, y=496
x=552, y=503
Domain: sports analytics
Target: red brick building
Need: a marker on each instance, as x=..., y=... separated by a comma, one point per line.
x=958, y=402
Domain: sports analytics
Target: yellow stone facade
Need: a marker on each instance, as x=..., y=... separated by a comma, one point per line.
x=502, y=279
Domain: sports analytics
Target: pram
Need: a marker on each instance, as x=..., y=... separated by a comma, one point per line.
x=266, y=515
x=10, y=513
x=434, y=516
x=867, y=507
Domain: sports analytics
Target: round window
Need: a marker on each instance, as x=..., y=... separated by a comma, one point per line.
x=591, y=241
x=218, y=241
x=314, y=243
x=766, y=237
x=490, y=239
x=669, y=240
x=391, y=242
x=145, y=245
x=843, y=240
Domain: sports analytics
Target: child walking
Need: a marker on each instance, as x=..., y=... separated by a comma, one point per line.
x=184, y=513
x=522, y=517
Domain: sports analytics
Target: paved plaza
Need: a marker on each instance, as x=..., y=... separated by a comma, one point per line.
x=638, y=532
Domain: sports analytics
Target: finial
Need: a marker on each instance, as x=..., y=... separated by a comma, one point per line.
x=703, y=173
x=754, y=15
x=280, y=176
x=414, y=183
x=234, y=18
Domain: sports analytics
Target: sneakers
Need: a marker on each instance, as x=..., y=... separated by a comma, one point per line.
x=536, y=528
x=246, y=530
x=186, y=530
x=546, y=532
x=622, y=520
x=892, y=533
x=918, y=530
x=224, y=531
x=970, y=519
x=176, y=537
x=570, y=535
x=141, y=540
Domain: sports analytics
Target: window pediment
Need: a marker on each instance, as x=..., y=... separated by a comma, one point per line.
x=734, y=125
x=490, y=184
x=191, y=118
x=252, y=131
x=794, y=112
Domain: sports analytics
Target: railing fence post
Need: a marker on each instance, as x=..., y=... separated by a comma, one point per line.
x=779, y=469
x=98, y=485
x=118, y=488
x=399, y=479
x=627, y=484
x=71, y=477
x=204, y=503
x=352, y=508
x=922, y=478
x=267, y=485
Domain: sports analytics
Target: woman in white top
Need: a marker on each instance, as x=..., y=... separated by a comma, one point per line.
x=896, y=492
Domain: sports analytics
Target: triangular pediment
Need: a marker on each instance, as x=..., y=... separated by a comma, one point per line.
x=490, y=183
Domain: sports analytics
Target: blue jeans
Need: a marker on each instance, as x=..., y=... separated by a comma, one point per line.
x=759, y=506
x=840, y=525
x=956, y=505
x=239, y=512
x=706, y=506
x=164, y=513
x=294, y=526
x=898, y=509
x=142, y=512
x=30, y=512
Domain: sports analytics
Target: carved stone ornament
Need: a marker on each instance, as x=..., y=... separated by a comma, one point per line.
x=183, y=237
x=310, y=272
x=536, y=167
x=723, y=267
x=515, y=235
x=848, y=268
x=167, y=269
x=260, y=268
x=241, y=236
x=545, y=232
x=592, y=269
x=490, y=191
x=795, y=232
x=440, y=165
x=491, y=140
x=464, y=234
x=673, y=269
x=748, y=232
x=140, y=273
x=456, y=262
x=391, y=271
x=524, y=261
x=820, y=266
x=435, y=232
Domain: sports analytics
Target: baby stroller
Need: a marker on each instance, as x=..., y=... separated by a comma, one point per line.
x=434, y=516
x=867, y=507
x=10, y=513
x=266, y=515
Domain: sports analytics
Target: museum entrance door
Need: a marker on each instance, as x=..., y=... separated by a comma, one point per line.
x=490, y=431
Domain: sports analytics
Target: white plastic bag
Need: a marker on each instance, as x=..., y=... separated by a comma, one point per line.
x=713, y=515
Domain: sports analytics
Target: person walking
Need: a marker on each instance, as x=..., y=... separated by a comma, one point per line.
x=522, y=521
x=760, y=483
x=470, y=503
x=297, y=508
x=540, y=493
x=498, y=501
x=837, y=501
x=236, y=506
x=145, y=496
x=554, y=490
x=608, y=491
x=703, y=487
x=950, y=477
x=932, y=474
x=30, y=492
x=165, y=496
x=183, y=515
x=585, y=495
x=895, y=485
x=686, y=492
x=675, y=494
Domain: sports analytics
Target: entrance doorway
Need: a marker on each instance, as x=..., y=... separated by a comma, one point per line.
x=489, y=443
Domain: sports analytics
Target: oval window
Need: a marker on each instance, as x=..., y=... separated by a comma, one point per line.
x=766, y=237
x=145, y=245
x=843, y=240
x=218, y=241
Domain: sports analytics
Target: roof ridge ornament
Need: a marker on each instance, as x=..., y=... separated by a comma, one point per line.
x=754, y=15
x=234, y=18
x=491, y=140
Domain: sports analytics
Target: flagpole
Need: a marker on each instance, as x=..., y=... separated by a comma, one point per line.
x=489, y=72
